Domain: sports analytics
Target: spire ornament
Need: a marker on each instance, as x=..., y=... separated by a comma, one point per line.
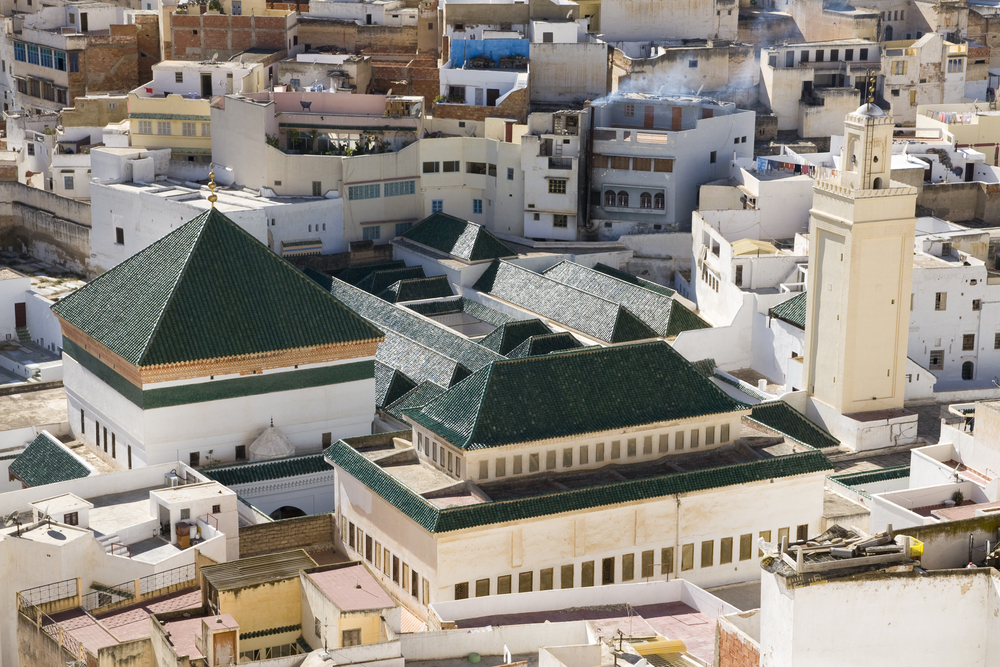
x=212, y=186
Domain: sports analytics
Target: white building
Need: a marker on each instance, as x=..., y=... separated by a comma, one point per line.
x=651, y=153
x=929, y=70
x=553, y=162
x=370, y=12
x=154, y=369
x=134, y=206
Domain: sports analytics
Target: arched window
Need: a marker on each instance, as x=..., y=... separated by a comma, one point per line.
x=877, y=185
x=645, y=200
x=658, y=201
x=967, y=369
x=622, y=199
x=609, y=198
x=888, y=33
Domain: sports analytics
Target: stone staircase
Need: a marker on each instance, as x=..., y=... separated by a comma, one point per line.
x=106, y=542
x=23, y=334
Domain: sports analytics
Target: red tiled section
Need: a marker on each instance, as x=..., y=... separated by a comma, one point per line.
x=352, y=588
x=133, y=623
x=676, y=620
x=184, y=633
x=85, y=629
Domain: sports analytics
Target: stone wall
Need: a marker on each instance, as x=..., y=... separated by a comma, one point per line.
x=960, y=202
x=416, y=76
x=37, y=649
x=353, y=38
x=200, y=36
x=307, y=532
x=48, y=227
x=110, y=63
x=515, y=106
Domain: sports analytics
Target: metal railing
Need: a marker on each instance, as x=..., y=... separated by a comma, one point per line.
x=103, y=596
x=178, y=575
x=58, y=590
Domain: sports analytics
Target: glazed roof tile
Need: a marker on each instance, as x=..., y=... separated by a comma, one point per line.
x=545, y=344
x=418, y=397
x=377, y=281
x=208, y=290
x=263, y=471
x=458, y=238
x=461, y=305
x=662, y=313
x=792, y=311
x=417, y=289
x=785, y=419
x=635, y=280
x=419, y=362
x=45, y=461
x=585, y=312
x=509, y=335
x=353, y=274
x=390, y=384
x=556, y=395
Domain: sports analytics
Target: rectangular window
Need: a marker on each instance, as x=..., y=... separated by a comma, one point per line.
x=618, y=162
x=46, y=57
x=746, y=546
x=849, y=55
x=477, y=206
x=525, y=582
x=557, y=186
x=178, y=77
x=351, y=534
x=33, y=54
x=501, y=467
x=630, y=110
x=517, y=464
x=114, y=452
x=587, y=574
x=608, y=571
x=368, y=191
x=936, y=360
x=667, y=561
x=510, y=173
x=533, y=462
x=545, y=579
x=449, y=461
x=647, y=445
x=386, y=561
x=664, y=443
x=724, y=434
x=395, y=569
x=709, y=435
x=560, y=220
x=694, y=438
x=687, y=557
x=550, y=460
x=679, y=441
x=968, y=342
x=834, y=55
x=145, y=127
x=766, y=535
x=19, y=52
x=600, y=452
x=163, y=127
x=708, y=553
x=863, y=54
x=206, y=129
x=584, y=455
x=503, y=585
x=400, y=188
x=630, y=447
x=369, y=548
x=437, y=205
x=711, y=157
x=71, y=519
x=432, y=167
x=616, y=449
x=647, y=564
x=802, y=532
x=484, y=470
x=350, y=637
x=725, y=551
x=474, y=168
x=782, y=534
x=819, y=55
x=977, y=304
x=68, y=182
x=189, y=129
x=452, y=166
x=568, y=457
x=566, y=576
x=899, y=67
x=462, y=591
x=628, y=567
x=372, y=233
x=996, y=341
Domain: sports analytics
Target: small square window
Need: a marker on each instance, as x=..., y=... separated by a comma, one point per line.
x=630, y=110
x=510, y=173
x=477, y=206
x=241, y=452
x=560, y=220
x=185, y=514
x=976, y=304
x=692, y=64
x=216, y=509
x=968, y=342
x=178, y=77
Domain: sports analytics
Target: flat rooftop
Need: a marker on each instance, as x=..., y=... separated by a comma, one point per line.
x=32, y=408
x=351, y=588
x=229, y=200
x=257, y=570
x=184, y=633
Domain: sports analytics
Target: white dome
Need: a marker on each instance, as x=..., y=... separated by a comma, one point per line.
x=270, y=445
x=869, y=110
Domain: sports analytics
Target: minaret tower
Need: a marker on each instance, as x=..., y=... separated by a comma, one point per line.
x=861, y=231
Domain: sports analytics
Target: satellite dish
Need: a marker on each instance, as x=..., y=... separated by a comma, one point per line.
x=215, y=57
x=10, y=519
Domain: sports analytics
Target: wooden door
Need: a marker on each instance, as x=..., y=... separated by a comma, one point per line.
x=675, y=120
x=20, y=315
x=647, y=117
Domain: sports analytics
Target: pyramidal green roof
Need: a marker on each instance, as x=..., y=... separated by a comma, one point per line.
x=46, y=460
x=417, y=289
x=507, y=336
x=635, y=280
x=792, y=311
x=390, y=384
x=571, y=393
x=545, y=344
x=208, y=290
x=458, y=238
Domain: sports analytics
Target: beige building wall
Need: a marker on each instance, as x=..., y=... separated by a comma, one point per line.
x=262, y=607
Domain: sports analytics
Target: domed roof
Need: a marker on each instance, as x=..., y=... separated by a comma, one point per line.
x=869, y=110
x=270, y=445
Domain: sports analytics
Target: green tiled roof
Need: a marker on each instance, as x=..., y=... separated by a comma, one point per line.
x=581, y=391
x=417, y=289
x=580, y=310
x=377, y=281
x=705, y=366
x=263, y=471
x=792, y=311
x=663, y=314
x=438, y=520
x=871, y=476
x=458, y=238
x=390, y=384
x=353, y=274
x=785, y=419
x=418, y=397
x=544, y=344
x=46, y=461
x=419, y=362
x=390, y=317
x=507, y=336
x=461, y=305
x=208, y=290
x=635, y=280
x=744, y=387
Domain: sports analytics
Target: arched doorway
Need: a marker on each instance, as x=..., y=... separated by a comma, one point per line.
x=887, y=34
x=286, y=512
x=877, y=185
x=967, y=370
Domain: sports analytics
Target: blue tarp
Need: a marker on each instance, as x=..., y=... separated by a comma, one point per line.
x=463, y=49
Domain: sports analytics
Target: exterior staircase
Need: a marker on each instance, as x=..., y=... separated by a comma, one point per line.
x=23, y=334
x=107, y=542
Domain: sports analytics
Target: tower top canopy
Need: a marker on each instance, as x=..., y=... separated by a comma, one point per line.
x=869, y=110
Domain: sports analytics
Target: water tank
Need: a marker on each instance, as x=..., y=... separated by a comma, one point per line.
x=183, y=535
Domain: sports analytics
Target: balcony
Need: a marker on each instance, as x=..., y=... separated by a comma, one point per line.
x=560, y=163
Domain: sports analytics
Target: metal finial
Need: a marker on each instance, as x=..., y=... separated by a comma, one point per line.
x=871, y=87
x=272, y=422
x=211, y=186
